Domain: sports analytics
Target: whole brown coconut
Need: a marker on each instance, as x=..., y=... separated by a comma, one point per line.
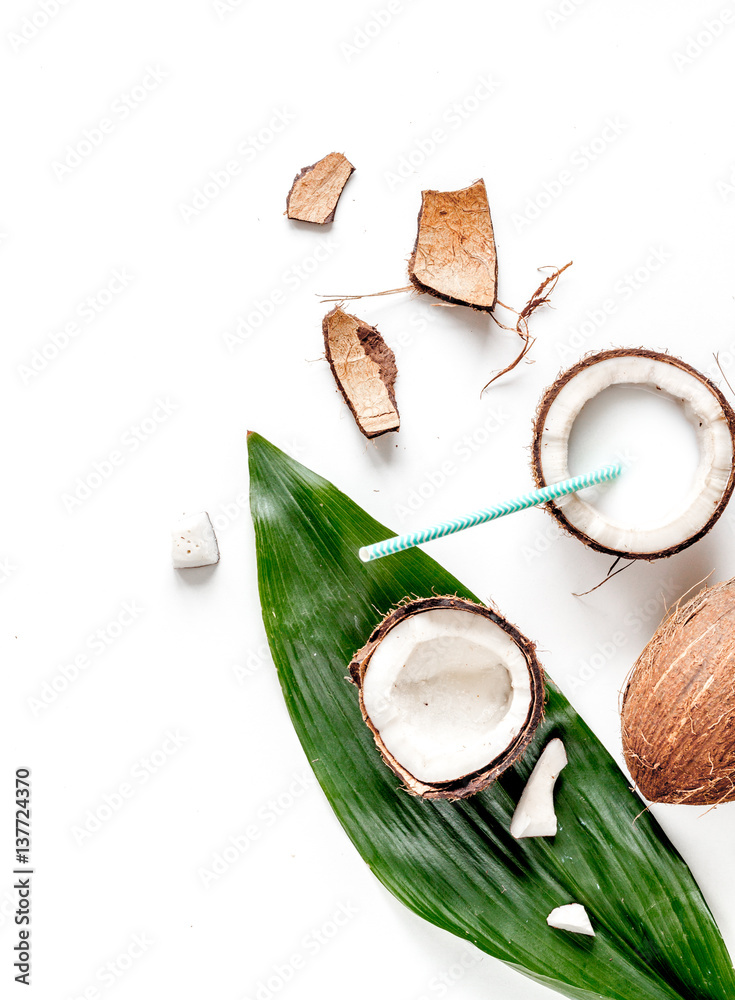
x=426, y=664
x=678, y=714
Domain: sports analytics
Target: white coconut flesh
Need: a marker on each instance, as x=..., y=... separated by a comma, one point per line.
x=672, y=518
x=571, y=917
x=193, y=542
x=448, y=692
x=534, y=815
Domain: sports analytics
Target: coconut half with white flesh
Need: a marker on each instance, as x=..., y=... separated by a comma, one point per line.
x=452, y=693
x=704, y=406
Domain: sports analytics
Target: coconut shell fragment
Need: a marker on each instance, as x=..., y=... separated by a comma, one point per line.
x=454, y=257
x=364, y=368
x=441, y=669
x=316, y=190
x=678, y=713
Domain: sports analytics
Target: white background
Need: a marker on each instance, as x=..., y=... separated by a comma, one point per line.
x=192, y=661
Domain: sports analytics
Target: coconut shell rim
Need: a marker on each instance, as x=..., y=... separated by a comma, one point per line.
x=475, y=781
x=542, y=411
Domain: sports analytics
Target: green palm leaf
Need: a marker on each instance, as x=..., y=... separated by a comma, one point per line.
x=455, y=863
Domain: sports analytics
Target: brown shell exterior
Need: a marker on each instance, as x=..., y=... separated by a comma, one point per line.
x=316, y=189
x=678, y=714
x=455, y=248
x=542, y=412
x=364, y=368
x=469, y=784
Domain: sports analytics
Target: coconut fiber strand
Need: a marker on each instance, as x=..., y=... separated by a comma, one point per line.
x=456, y=864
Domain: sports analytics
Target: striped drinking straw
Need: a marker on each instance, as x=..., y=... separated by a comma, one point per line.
x=401, y=542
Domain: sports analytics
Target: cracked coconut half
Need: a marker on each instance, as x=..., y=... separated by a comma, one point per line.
x=454, y=257
x=452, y=693
x=364, y=368
x=704, y=406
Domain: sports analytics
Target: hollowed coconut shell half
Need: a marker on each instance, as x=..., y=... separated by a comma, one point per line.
x=704, y=406
x=452, y=693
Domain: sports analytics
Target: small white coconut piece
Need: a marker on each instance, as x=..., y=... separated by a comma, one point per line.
x=572, y=917
x=194, y=543
x=534, y=815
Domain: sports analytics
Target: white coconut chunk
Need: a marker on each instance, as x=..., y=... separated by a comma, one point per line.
x=710, y=481
x=448, y=692
x=572, y=917
x=193, y=542
x=534, y=815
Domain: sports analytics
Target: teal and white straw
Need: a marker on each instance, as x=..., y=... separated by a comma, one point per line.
x=401, y=542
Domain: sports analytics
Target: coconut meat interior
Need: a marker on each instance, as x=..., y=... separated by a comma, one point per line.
x=448, y=691
x=676, y=452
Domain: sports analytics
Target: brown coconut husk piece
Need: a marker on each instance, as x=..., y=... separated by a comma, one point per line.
x=469, y=784
x=364, y=368
x=678, y=712
x=316, y=189
x=454, y=257
x=547, y=401
x=541, y=297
